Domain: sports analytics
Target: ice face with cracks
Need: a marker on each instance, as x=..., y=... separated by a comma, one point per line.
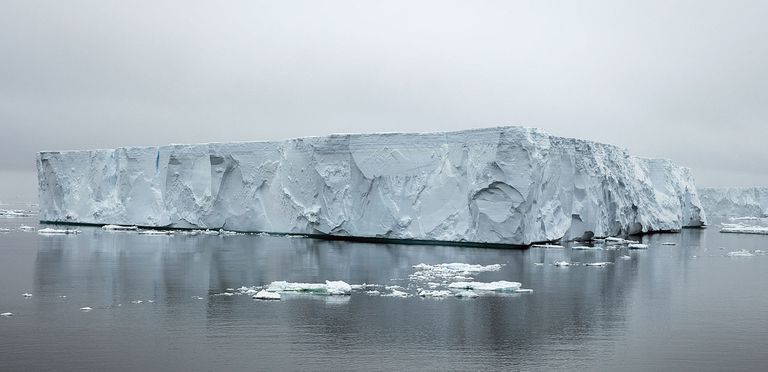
x=506, y=185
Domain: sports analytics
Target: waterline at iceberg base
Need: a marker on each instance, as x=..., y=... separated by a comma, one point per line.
x=504, y=185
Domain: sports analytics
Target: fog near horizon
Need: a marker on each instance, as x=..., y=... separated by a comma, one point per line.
x=683, y=80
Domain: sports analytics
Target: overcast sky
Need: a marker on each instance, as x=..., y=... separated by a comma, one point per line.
x=685, y=80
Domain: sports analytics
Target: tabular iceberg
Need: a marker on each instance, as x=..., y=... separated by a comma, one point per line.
x=735, y=201
x=506, y=185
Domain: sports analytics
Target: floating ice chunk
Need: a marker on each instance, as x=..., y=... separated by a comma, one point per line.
x=119, y=228
x=198, y=298
x=597, y=264
x=467, y=294
x=637, y=246
x=26, y=295
x=50, y=231
x=500, y=286
x=586, y=248
x=437, y=294
x=538, y=263
x=15, y=213
x=741, y=253
x=157, y=232
x=562, y=263
x=373, y=293
x=266, y=295
x=396, y=293
x=6, y=314
x=551, y=246
x=614, y=240
x=668, y=243
x=228, y=294
x=137, y=302
x=26, y=228
x=625, y=257
x=86, y=308
x=524, y=290
x=738, y=229
x=329, y=288
x=759, y=252
x=4, y=230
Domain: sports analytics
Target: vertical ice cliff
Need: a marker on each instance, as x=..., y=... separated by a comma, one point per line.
x=735, y=201
x=508, y=185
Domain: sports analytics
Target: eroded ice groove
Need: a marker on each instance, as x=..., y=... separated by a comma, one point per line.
x=507, y=185
x=744, y=202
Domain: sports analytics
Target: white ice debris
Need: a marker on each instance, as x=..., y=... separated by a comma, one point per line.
x=597, y=264
x=373, y=293
x=586, y=248
x=4, y=230
x=668, y=243
x=740, y=229
x=499, y=286
x=329, y=288
x=432, y=293
x=637, y=246
x=467, y=294
x=482, y=185
x=625, y=257
x=524, y=290
x=6, y=314
x=741, y=253
x=119, y=228
x=157, y=232
x=551, y=246
x=396, y=293
x=26, y=228
x=562, y=263
x=266, y=295
x=15, y=213
x=50, y=231
x=26, y=294
x=86, y=308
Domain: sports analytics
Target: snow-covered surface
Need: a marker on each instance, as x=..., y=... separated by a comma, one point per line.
x=742, y=202
x=508, y=185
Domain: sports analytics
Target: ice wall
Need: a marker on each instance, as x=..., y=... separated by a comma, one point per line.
x=735, y=201
x=509, y=185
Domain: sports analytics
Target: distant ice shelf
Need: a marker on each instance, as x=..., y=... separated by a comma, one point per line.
x=743, y=203
x=505, y=185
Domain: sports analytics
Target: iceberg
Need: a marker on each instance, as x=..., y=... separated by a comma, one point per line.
x=503, y=185
x=744, y=202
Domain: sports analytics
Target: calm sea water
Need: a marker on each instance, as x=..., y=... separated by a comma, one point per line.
x=682, y=307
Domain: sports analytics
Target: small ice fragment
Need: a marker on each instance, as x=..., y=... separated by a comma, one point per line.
x=551, y=246
x=524, y=290
x=230, y=289
x=27, y=294
x=597, y=264
x=62, y=296
x=562, y=263
x=87, y=308
x=538, y=263
x=4, y=230
x=396, y=293
x=437, y=294
x=625, y=257
x=337, y=287
x=467, y=294
x=668, y=243
x=373, y=293
x=50, y=231
x=119, y=228
x=157, y=232
x=586, y=248
x=637, y=246
x=266, y=295
x=741, y=253
x=137, y=302
x=151, y=301
x=500, y=286
x=197, y=298
x=26, y=228
x=6, y=314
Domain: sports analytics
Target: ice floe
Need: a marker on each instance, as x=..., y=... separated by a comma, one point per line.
x=586, y=248
x=668, y=243
x=86, y=308
x=597, y=264
x=396, y=293
x=562, y=263
x=434, y=293
x=329, y=288
x=50, y=231
x=4, y=230
x=625, y=257
x=554, y=246
x=119, y=228
x=637, y=246
x=266, y=295
x=26, y=228
x=26, y=295
x=524, y=290
x=6, y=314
x=741, y=253
x=740, y=229
x=157, y=232
x=16, y=213
x=467, y=294
x=499, y=286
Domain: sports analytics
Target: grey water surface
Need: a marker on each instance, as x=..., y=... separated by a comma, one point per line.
x=687, y=306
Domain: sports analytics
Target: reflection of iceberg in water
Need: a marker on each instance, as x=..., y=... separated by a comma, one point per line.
x=568, y=307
